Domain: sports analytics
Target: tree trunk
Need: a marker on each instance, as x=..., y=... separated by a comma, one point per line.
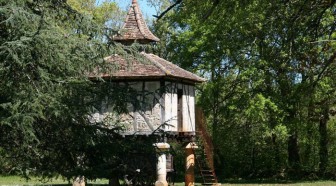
x=215, y=112
x=323, y=151
x=114, y=181
x=311, y=121
x=293, y=153
x=276, y=151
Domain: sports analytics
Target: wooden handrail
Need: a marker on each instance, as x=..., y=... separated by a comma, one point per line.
x=208, y=145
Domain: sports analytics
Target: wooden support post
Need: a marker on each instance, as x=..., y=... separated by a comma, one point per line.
x=161, y=164
x=190, y=164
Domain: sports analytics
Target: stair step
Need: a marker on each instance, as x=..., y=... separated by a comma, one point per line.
x=206, y=170
x=209, y=183
x=208, y=175
x=209, y=179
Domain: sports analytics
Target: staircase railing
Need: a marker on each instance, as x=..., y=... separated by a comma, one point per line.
x=197, y=160
x=208, y=145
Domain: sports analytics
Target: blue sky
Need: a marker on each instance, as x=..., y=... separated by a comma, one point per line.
x=146, y=10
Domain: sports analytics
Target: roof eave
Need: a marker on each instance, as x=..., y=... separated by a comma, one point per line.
x=134, y=78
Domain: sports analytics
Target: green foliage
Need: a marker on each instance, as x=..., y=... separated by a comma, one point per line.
x=102, y=12
x=270, y=66
x=48, y=51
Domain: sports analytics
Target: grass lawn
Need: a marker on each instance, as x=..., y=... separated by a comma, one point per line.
x=18, y=181
x=315, y=183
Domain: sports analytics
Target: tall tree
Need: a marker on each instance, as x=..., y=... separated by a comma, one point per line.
x=102, y=12
x=269, y=65
x=48, y=50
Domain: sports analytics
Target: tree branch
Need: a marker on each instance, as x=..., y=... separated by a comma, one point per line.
x=168, y=9
x=328, y=63
x=214, y=5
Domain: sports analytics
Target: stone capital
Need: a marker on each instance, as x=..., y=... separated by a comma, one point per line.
x=191, y=145
x=161, y=146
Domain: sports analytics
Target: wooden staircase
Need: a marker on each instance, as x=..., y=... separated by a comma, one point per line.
x=204, y=152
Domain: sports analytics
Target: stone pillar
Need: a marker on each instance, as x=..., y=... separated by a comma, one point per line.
x=190, y=164
x=161, y=164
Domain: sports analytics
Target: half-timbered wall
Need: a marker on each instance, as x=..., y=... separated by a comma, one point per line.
x=156, y=103
x=144, y=109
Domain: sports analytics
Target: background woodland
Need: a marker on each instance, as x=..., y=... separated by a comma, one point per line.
x=270, y=98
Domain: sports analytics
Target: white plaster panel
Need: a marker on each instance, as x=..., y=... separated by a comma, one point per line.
x=171, y=106
x=185, y=109
x=192, y=107
x=188, y=99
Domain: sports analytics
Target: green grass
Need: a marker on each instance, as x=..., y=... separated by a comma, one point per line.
x=315, y=183
x=18, y=181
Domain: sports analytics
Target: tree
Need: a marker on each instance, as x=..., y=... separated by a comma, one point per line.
x=104, y=13
x=268, y=65
x=48, y=50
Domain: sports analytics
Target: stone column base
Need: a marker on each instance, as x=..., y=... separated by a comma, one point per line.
x=79, y=181
x=161, y=183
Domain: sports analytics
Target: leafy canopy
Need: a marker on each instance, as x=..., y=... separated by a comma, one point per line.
x=48, y=50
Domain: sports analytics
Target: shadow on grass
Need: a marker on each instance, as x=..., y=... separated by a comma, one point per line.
x=62, y=184
x=262, y=181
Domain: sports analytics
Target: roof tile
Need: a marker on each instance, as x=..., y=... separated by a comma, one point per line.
x=135, y=27
x=153, y=67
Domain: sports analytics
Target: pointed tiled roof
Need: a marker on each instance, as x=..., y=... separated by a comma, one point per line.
x=149, y=66
x=135, y=27
x=152, y=67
